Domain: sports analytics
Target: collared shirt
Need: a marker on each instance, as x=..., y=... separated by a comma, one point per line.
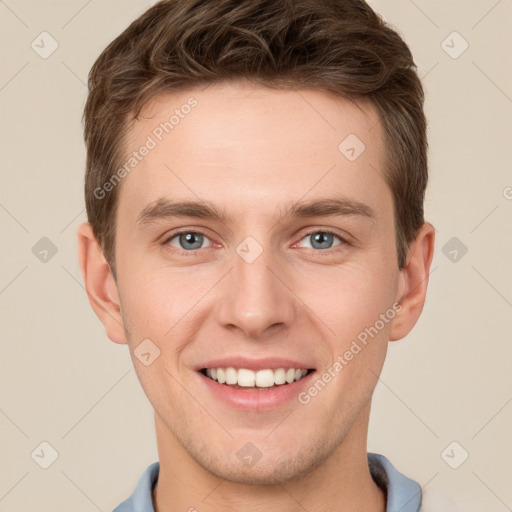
x=403, y=494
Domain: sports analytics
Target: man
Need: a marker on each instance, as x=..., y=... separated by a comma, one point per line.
x=255, y=180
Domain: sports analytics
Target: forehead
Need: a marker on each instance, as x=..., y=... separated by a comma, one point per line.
x=247, y=145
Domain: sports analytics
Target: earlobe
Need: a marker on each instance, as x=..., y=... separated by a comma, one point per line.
x=413, y=284
x=100, y=284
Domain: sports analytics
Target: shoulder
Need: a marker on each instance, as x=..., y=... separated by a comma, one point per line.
x=141, y=499
x=405, y=494
x=402, y=493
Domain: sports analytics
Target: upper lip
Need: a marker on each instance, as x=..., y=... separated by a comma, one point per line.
x=254, y=364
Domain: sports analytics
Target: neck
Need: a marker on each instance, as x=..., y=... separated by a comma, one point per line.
x=342, y=481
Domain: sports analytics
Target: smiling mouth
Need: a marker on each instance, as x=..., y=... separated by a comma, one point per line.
x=260, y=380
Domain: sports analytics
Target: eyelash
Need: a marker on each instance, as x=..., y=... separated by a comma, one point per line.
x=309, y=233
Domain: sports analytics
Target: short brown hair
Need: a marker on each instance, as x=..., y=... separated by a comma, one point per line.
x=339, y=46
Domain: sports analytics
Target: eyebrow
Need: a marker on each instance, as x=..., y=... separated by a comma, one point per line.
x=325, y=207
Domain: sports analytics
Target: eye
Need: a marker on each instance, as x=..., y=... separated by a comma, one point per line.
x=322, y=240
x=187, y=240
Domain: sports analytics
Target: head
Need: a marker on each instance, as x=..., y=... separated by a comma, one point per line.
x=281, y=121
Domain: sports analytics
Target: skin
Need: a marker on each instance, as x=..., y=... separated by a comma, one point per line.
x=251, y=151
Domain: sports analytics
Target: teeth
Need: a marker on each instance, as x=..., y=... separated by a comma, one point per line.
x=265, y=378
x=247, y=378
x=279, y=376
x=250, y=379
x=231, y=376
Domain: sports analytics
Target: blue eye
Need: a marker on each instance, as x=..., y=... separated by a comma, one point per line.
x=190, y=240
x=322, y=239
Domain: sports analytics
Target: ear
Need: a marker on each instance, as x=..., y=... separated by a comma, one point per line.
x=413, y=283
x=100, y=284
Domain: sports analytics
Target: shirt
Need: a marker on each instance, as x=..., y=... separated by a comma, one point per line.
x=403, y=494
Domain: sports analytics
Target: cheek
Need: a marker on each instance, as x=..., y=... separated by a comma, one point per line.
x=358, y=309
x=349, y=298
x=154, y=300
x=168, y=308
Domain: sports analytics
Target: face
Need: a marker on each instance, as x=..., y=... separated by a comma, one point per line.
x=299, y=262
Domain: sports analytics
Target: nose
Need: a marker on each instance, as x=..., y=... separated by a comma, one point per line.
x=256, y=296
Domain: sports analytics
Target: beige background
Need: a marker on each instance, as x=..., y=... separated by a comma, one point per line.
x=64, y=382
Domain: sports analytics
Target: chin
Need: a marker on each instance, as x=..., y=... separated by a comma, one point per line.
x=274, y=469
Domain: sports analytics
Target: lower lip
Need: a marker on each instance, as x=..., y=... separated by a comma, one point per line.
x=254, y=400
